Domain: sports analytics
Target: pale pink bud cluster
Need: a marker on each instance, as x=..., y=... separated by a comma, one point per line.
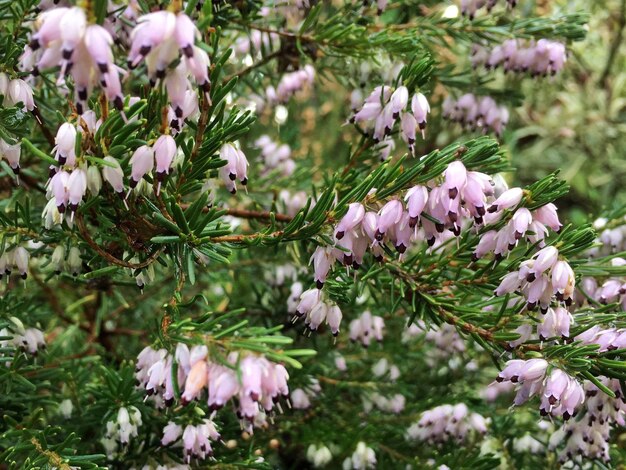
x=433, y=212
x=68, y=189
x=445, y=339
x=531, y=225
x=491, y=392
x=293, y=201
x=363, y=458
x=64, y=38
x=385, y=147
x=300, y=398
x=196, y=439
x=470, y=7
x=540, y=58
x=68, y=182
x=16, y=91
x=11, y=153
x=589, y=436
x=382, y=368
x=143, y=160
x=555, y=322
x=290, y=84
x=318, y=456
x=384, y=106
x=367, y=327
x=236, y=167
x=560, y=394
x=612, y=237
x=15, y=259
x=477, y=112
x=283, y=273
x=275, y=156
x=612, y=290
x=259, y=384
x=316, y=311
x=540, y=279
x=447, y=422
x=608, y=339
x=29, y=340
x=162, y=37
x=257, y=42
x=125, y=425
x=394, y=404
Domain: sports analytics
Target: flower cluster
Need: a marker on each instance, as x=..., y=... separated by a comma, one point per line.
x=318, y=456
x=16, y=258
x=434, y=213
x=612, y=290
x=470, y=7
x=289, y=84
x=445, y=339
x=257, y=42
x=81, y=50
x=477, y=112
x=362, y=458
x=366, y=327
x=121, y=429
x=540, y=279
x=236, y=167
x=16, y=91
x=533, y=225
x=160, y=38
x=275, y=156
x=608, y=339
x=293, y=201
x=384, y=106
x=561, y=395
x=393, y=404
x=30, y=340
x=315, y=311
x=612, y=237
x=262, y=382
x=70, y=181
x=541, y=58
x=196, y=439
x=143, y=160
x=446, y=422
x=11, y=153
x=300, y=398
x=382, y=368
x=588, y=437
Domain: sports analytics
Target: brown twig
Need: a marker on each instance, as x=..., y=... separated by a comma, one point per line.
x=248, y=214
x=80, y=223
x=615, y=45
x=243, y=238
x=366, y=143
x=258, y=64
x=55, y=304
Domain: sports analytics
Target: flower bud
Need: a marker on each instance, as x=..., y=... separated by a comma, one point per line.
x=141, y=163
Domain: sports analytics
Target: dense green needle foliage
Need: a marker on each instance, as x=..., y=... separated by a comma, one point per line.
x=323, y=234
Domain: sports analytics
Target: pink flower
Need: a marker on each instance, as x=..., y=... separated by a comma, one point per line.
x=141, y=163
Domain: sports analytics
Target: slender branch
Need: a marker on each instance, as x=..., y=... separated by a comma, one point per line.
x=258, y=64
x=243, y=238
x=615, y=45
x=55, y=304
x=108, y=256
x=248, y=214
